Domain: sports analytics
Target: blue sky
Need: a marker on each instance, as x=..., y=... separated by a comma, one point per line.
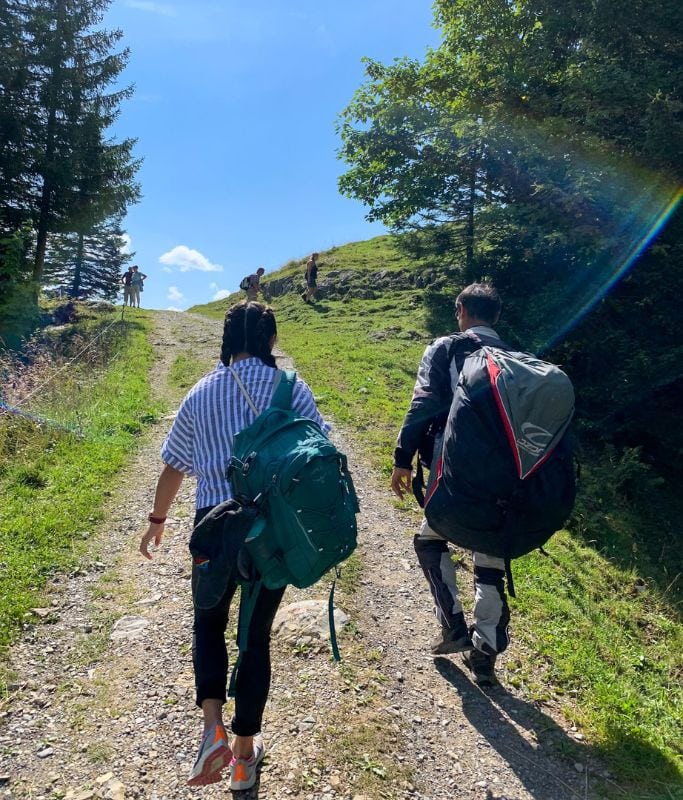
x=234, y=111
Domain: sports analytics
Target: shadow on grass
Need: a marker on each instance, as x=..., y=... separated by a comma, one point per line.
x=544, y=759
x=646, y=539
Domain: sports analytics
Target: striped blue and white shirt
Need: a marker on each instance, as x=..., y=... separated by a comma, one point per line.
x=214, y=410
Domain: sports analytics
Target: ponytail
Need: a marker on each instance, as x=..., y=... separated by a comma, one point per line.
x=249, y=327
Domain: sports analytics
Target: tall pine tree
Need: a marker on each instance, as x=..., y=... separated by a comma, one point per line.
x=74, y=67
x=88, y=265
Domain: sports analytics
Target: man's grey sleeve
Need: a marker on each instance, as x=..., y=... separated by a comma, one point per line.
x=431, y=400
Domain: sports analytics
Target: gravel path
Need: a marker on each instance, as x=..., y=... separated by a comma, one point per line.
x=103, y=702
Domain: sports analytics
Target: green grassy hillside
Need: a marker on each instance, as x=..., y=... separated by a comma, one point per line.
x=596, y=626
x=57, y=463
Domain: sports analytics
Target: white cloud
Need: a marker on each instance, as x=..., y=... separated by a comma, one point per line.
x=166, y=269
x=221, y=293
x=213, y=286
x=126, y=243
x=173, y=308
x=154, y=8
x=175, y=295
x=187, y=259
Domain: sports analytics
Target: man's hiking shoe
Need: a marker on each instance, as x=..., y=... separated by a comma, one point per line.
x=481, y=665
x=304, y=297
x=452, y=640
x=214, y=755
x=243, y=770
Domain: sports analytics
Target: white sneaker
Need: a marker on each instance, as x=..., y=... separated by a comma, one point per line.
x=214, y=755
x=243, y=770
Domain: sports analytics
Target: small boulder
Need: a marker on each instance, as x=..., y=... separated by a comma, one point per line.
x=129, y=627
x=307, y=618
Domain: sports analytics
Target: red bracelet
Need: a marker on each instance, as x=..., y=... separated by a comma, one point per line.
x=157, y=520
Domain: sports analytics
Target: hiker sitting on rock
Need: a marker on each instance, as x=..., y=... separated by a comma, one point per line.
x=200, y=444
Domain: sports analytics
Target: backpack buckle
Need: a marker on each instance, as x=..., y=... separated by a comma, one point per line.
x=246, y=464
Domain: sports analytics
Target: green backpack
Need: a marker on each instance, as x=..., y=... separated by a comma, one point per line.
x=306, y=524
x=285, y=464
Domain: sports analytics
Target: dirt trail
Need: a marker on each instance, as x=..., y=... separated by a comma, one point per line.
x=103, y=702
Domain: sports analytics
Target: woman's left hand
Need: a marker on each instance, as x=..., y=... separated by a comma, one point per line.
x=153, y=533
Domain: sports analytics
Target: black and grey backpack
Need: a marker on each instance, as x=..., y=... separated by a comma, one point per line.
x=505, y=479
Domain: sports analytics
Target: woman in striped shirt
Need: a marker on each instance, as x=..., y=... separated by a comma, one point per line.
x=199, y=443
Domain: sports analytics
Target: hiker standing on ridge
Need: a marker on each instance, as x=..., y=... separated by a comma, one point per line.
x=311, y=278
x=127, y=281
x=200, y=443
x=136, y=284
x=253, y=284
x=477, y=311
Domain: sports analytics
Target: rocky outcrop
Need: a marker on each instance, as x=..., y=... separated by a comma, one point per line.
x=355, y=284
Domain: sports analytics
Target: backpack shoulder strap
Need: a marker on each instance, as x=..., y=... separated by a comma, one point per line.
x=461, y=346
x=244, y=391
x=464, y=344
x=283, y=387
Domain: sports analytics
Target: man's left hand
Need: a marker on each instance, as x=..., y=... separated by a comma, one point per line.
x=401, y=481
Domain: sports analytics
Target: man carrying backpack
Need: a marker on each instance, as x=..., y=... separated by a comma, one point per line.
x=251, y=284
x=477, y=310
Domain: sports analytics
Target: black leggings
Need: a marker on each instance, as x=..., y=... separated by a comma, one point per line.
x=210, y=657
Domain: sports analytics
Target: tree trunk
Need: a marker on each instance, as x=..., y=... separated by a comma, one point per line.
x=43, y=227
x=50, y=143
x=469, y=227
x=78, y=268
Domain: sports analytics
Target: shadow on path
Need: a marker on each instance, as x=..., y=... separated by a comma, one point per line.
x=542, y=766
x=547, y=767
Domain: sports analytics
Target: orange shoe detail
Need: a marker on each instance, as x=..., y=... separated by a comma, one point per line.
x=214, y=756
x=240, y=771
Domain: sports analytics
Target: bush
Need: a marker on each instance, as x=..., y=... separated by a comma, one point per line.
x=439, y=303
x=19, y=312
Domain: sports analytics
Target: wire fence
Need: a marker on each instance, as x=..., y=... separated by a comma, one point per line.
x=33, y=376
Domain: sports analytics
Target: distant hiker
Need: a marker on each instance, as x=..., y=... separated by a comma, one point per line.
x=251, y=283
x=136, y=285
x=200, y=443
x=311, y=275
x=127, y=281
x=477, y=311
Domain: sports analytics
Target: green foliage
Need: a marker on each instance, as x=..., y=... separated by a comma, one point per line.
x=88, y=263
x=60, y=170
x=549, y=148
x=19, y=313
x=439, y=305
x=626, y=511
x=53, y=480
x=18, y=309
